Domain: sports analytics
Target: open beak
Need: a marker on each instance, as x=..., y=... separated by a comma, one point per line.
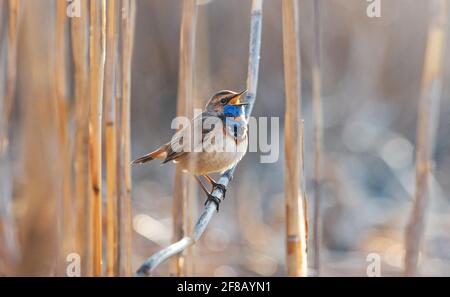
x=237, y=99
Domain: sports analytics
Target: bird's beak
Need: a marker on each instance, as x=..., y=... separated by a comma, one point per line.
x=237, y=99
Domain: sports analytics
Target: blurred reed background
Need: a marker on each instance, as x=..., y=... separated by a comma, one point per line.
x=56, y=197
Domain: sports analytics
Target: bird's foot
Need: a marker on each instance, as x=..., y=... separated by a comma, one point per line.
x=221, y=187
x=214, y=199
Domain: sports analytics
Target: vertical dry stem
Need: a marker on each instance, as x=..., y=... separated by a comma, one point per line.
x=80, y=44
x=97, y=63
x=8, y=43
x=183, y=185
x=318, y=135
x=295, y=223
x=37, y=157
x=125, y=215
x=11, y=70
x=61, y=111
x=428, y=119
x=111, y=140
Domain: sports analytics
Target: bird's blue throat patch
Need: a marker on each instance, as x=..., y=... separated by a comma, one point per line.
x=233, y=111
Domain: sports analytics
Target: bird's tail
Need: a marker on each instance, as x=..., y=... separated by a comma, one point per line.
x=159, y=153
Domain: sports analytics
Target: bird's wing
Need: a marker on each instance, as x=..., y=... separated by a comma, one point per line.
x=181, y=142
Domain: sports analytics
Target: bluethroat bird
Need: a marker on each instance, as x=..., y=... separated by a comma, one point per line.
x=223, y=142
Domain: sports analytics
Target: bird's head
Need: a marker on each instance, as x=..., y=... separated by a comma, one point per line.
x=227, y=103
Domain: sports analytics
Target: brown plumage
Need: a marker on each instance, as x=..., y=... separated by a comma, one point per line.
x=220, y=148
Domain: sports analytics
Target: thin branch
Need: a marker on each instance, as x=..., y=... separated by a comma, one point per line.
x=253, y=55
x=210, y=208
x=202, y=223
x=296, y=259
x=427, y=123
x=318, y=135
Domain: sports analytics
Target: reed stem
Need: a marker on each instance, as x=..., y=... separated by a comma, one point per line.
x=182, y=197
x=318, y=138
x=80, y=50
x=427, y=123
x=61, y=109
x=110, y=126
x=125, y=207
x=97, y=54
x=11, y=71
x=9, y=11
x=296, y=260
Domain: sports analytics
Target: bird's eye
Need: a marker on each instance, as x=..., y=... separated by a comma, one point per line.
x=223, y=101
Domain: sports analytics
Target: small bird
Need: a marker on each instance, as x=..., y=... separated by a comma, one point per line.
x=223, y=142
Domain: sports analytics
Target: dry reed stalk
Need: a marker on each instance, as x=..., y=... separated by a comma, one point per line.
x=61, y=110
x=318, y=137
x=11, y=70
x=80, y=50
x=210, y=208
x=125, y=208
x=111, y=140
x=9, y=16
x=427, y=123
x=60, y=56
x=296, y=260
x=42, y=172
x=201, y=86
x=97, y=53
x=182, y=196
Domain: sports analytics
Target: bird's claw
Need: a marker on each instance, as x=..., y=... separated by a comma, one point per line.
x=221, y=187
x=214, y=199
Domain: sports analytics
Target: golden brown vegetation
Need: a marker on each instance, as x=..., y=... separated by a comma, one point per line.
x=62, y=163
